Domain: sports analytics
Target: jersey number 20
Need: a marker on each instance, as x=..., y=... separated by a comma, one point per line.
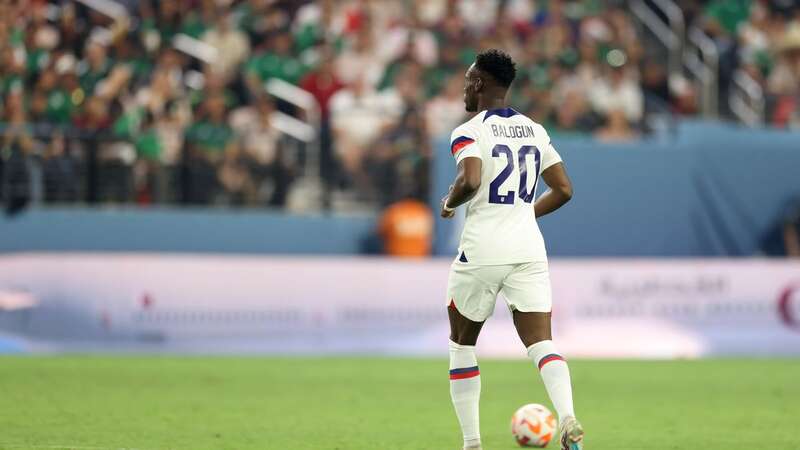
x=526, y=195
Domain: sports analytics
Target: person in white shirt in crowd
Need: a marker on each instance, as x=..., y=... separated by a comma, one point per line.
x=618, y=90
x=446, y=111
x=232, y=45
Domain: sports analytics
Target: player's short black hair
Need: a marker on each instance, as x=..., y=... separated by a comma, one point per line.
x=498, y=64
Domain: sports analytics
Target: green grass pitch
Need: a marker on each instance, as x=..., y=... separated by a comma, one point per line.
x=238, y=403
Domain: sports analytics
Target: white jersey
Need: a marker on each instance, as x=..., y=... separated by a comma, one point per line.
x=501, y=227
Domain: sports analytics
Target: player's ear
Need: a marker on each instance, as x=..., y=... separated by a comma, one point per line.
x=478, y=84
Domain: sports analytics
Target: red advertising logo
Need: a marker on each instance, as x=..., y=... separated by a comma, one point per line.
x=785, y=307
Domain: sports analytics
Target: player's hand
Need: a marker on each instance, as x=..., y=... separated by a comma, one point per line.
x=445, y=213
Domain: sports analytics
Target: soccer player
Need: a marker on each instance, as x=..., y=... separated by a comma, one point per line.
x=501, y=155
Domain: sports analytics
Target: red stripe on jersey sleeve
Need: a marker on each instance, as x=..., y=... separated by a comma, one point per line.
x=459, y=143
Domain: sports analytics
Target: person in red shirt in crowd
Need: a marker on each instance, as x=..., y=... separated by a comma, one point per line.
x=322, y=83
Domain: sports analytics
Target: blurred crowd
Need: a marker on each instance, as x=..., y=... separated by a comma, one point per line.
x=165, y=101
x=762, y=39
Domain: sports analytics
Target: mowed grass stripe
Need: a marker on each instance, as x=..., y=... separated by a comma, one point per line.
x=239, y=403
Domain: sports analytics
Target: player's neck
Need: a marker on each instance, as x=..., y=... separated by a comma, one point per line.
x=492, y=103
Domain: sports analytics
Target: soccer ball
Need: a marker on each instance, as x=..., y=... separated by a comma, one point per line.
x=533, y=425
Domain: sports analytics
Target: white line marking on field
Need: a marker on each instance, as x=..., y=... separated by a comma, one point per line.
x=68, y=447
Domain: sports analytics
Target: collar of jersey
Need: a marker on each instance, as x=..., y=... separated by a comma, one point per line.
x=502, y=112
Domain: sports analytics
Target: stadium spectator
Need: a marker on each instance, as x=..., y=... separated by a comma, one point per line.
x=238, y=187
x=754, y=35
x=206, y=139
x=728, y=14
x=616, y=129
x=685, y=97
x=406, y=229
x=262, y=150
x=446, y=111
x=783, y=238
x=94, y=67
x=399, y=163
x=323, y=83
x=721, y=19
x=17, y=148
x=314, y=24
x=60, y=172
x=784, y=81
x=164, y=118
x=618, y=91
x=279, y=62
x=479, y=15
x=655, y=85
x=232, y=45
x=574, y=115
x=95, y=116
x=409, y=37
x=150, y=176
x=357, y=119
x=360, y=62
x=114, y=160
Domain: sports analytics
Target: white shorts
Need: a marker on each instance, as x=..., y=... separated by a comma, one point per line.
x=473, y=289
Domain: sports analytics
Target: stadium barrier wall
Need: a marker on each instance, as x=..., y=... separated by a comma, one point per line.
x=238, y=304
x=709, y=189
x=182, y=230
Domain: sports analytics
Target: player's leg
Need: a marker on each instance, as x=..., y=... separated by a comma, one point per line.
x=463, y=331
x=465, y=378
x=470, y=302
x=535, y=332
x=528, y=293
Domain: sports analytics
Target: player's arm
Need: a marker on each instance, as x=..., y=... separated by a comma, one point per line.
x=466, y=184
x=560, y=191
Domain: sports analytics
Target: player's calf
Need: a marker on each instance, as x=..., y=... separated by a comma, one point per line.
x=465, y=391
x=555, y=375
